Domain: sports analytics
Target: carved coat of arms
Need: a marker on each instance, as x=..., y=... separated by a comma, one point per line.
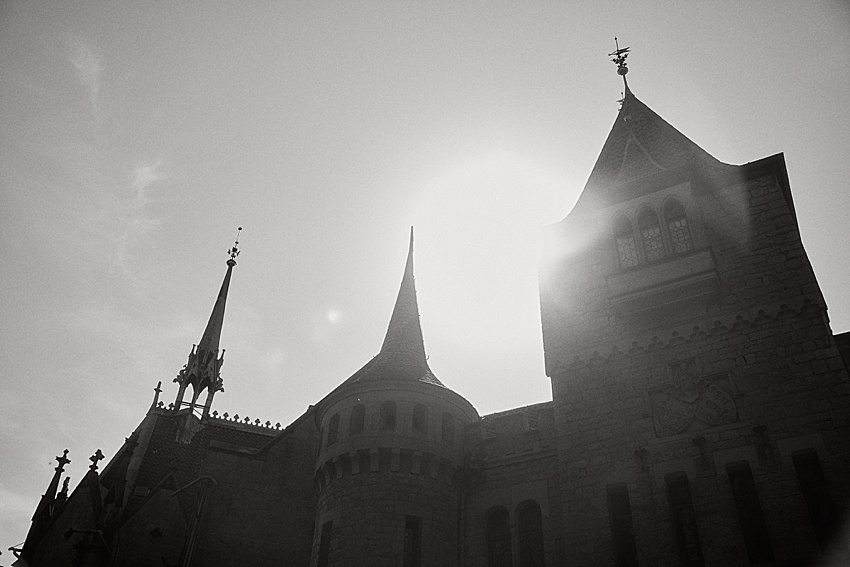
x=689, y=401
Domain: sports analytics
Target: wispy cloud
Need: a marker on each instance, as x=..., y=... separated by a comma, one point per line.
x=114, y=209
x=144, y=175
x=131, y=221
x=88, y=66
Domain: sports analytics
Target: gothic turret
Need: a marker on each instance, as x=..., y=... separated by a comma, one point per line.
x=391, y=431
x=202, y=370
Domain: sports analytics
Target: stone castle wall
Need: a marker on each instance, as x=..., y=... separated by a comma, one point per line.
x=751, y=375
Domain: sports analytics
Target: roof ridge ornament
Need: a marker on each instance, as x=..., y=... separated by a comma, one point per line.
x=618, y=56
x=98, y=456
x=63, y=460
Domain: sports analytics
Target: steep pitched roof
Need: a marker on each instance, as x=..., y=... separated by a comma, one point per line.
x=641, y=143
x=402, y=355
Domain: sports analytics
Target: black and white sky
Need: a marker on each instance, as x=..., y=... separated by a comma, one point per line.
x=135, y=137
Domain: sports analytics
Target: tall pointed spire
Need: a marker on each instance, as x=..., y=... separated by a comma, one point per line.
x=202, y=371
x=402, y=354
x=404, y=333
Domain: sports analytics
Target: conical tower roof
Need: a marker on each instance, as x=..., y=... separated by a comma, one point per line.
x=402, y=355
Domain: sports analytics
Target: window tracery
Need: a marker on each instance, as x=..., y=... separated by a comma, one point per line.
x=677, y=227
x=626, y=245
x=650, y=233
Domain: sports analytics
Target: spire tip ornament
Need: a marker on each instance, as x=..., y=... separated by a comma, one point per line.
x=97, y=457
x=618, y=57
x=234, y=252
x=63, y=460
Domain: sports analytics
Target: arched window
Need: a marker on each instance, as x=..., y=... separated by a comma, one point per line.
x=357, y=420
x=650, y=235
x=530, y=529
x=448, y=429
x=498, y=538
x=626, y=246
x=420, y=419
x=388, y=416
x=677, y=226
x=333, y=429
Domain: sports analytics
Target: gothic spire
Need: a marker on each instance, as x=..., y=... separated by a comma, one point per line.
x=404, y=333
x=46, y=504
x=402, y=354
x=202, y=370
x=46, y=508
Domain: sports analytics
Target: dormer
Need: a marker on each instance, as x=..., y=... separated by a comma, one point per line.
x=660, y=255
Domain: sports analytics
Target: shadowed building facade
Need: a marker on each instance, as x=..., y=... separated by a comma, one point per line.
x=699, y=412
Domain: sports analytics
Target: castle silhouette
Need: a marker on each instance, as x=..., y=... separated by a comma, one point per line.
x=699, y=411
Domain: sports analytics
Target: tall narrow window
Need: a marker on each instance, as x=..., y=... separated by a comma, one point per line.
x=818, y=500
x=530, y=528
x=448, y=429
x=333, y=429
x=357, y=420
x=420, y=419
x=622, y=529
x=684, y=520
x=626, y=246
x=753, y=528
x=498, y=538
x=325, y=544
x=677, y=226
x=412, y=541
x=650, y=235
x=388, y=416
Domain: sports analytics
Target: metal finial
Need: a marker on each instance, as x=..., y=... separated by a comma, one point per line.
x=98, y=456
x=63, y=460
x=618, y=56
x=234, y=252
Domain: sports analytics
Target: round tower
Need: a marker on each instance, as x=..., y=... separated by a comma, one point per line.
x=392, y=443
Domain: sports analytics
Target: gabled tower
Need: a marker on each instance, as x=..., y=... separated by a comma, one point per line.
x=203, y=369
x=695, y=379
x=392, y=443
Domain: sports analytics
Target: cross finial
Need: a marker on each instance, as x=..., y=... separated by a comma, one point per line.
x=157, y=392
x=63, y=460
x=98, y=456
x=234, y=252
x=618, y=56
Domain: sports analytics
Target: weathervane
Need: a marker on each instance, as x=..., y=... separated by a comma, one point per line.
x=619, y=56
x=234, y=252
